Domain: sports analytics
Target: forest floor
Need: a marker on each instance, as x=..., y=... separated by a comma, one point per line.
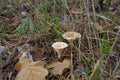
x=29, y=29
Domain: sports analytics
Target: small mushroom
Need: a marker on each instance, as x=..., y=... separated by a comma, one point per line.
x=58, y=47
x=71, y=35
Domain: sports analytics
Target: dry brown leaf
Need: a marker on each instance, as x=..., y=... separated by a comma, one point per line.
x=37, y=63
x=59, y=67
x=66, y=63
x=32, y=73
x=23, y=61
x=30, y=70
x=54, y=64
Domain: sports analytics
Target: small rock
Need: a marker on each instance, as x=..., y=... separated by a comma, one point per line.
x=111, y=8
x=24, y=14
x=27, y=55
x=26, y=6
x=2, y=49
x=117, y=77
x=8, y=6
x=117, y=29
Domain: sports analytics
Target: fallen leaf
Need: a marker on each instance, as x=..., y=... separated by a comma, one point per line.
x=32, y=73
x=54, y=64
x=23, y=61
x=58, y=67
x=37, y=63
x=30, y=70
x=66, y=63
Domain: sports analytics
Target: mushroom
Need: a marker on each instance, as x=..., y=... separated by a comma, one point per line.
x=71, y=35
x=58, y=47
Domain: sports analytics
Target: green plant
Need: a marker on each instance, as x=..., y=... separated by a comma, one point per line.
x=26, y=26
x=53, y=23
x=65, y=4
x=96, y=75
x=3, y=30
x=58, y=77
x=105, y=47
x=48, y=21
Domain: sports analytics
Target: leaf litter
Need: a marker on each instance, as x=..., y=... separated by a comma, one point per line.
x=14, y=66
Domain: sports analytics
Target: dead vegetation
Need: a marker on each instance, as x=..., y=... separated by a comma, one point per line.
x=28, y=29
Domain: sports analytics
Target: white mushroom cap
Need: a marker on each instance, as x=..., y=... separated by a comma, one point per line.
x=59, y=46
x=71, y=35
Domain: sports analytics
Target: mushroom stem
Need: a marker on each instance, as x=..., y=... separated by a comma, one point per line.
x=59, y=47
x=59, y=52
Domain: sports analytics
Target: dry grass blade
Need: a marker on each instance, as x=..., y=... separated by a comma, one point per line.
x=95, y=69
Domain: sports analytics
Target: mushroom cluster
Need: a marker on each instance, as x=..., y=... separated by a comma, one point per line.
x=60, y=46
